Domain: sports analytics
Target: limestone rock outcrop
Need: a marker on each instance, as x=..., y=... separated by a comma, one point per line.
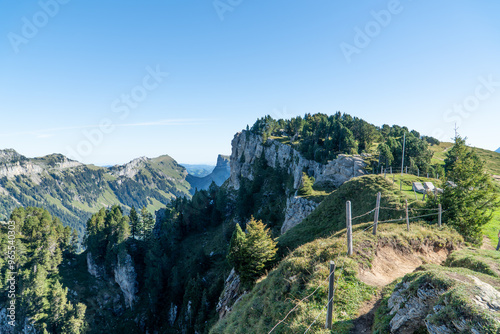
x=412, y=309
x=297, y=209
x=231, y=294
x=247, y=147
x=126, y=278
x=7, y=328
x=219, y=175
x=94, y=269
x=124, y=275
x=130, y=169
x=13, y=164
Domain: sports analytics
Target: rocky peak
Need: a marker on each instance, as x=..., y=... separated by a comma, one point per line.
x=223, y=161
x=130, y=169
x=58, y=161
x=10, y=156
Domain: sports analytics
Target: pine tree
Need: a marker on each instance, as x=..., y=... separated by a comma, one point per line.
x=253, y=252
x=148, y=223
x=134, y=222
x=236, y=255
x=471, y=198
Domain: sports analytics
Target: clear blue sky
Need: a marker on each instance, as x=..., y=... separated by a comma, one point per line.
x=69, y=67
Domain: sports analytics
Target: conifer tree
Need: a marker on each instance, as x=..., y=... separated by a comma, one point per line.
x=134, y=222
x=148, y=223
x=470, y=198
x=253, y=252
x=236, y=255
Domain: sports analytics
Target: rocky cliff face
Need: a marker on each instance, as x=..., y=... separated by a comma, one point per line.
x=126, y=278
x=230, y=295
x=11, y=170
x=6, y=328
x=297, y=209
x=124, y=275
x=13, y=164
x=130, y=169
x=248, y=147
x=219, y=175
x=93, y=268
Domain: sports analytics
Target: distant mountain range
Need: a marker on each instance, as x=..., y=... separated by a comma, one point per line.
x=498, y=150
x=73, y=191
x=198, y=170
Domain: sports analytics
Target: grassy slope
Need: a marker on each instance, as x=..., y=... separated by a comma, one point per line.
x=491, y=158
x=329, y=217
x=318, y=241
x=306, y=269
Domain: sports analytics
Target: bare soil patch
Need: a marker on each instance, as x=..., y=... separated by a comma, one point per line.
x=487, y=244
x=363, y=324
x=390, y=264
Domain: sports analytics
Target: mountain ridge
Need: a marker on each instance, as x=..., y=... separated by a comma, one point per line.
x=73, y=191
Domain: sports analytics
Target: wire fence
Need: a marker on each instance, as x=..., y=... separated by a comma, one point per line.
x=433, y=212
x=412, y=170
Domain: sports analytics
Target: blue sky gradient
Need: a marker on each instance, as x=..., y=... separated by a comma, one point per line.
x=426, y=65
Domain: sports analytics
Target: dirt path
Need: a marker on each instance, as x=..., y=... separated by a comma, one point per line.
x=487, y=243
x=388, y=265
x=363, y=324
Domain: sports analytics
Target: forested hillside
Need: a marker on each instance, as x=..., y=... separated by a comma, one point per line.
x=263, y=238
x=73, y=191
x=35, y=244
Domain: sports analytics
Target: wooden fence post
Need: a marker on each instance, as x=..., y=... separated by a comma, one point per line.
x=349, y=228
x=400, y=185
x=391, y=169
x=406, y=170
x=377, y=211
x=440, y=214
x=329, y=312
x=418, y=172
x=407, y=217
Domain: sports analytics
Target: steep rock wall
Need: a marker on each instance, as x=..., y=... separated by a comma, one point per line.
x=124, y=275
x=126, y=278
x=230, y=295
x=297, y=209
x=247, y=147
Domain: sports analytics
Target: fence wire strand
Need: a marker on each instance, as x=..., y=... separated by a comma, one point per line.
x=303, y=299
x=342, y=269
x=330, y=300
